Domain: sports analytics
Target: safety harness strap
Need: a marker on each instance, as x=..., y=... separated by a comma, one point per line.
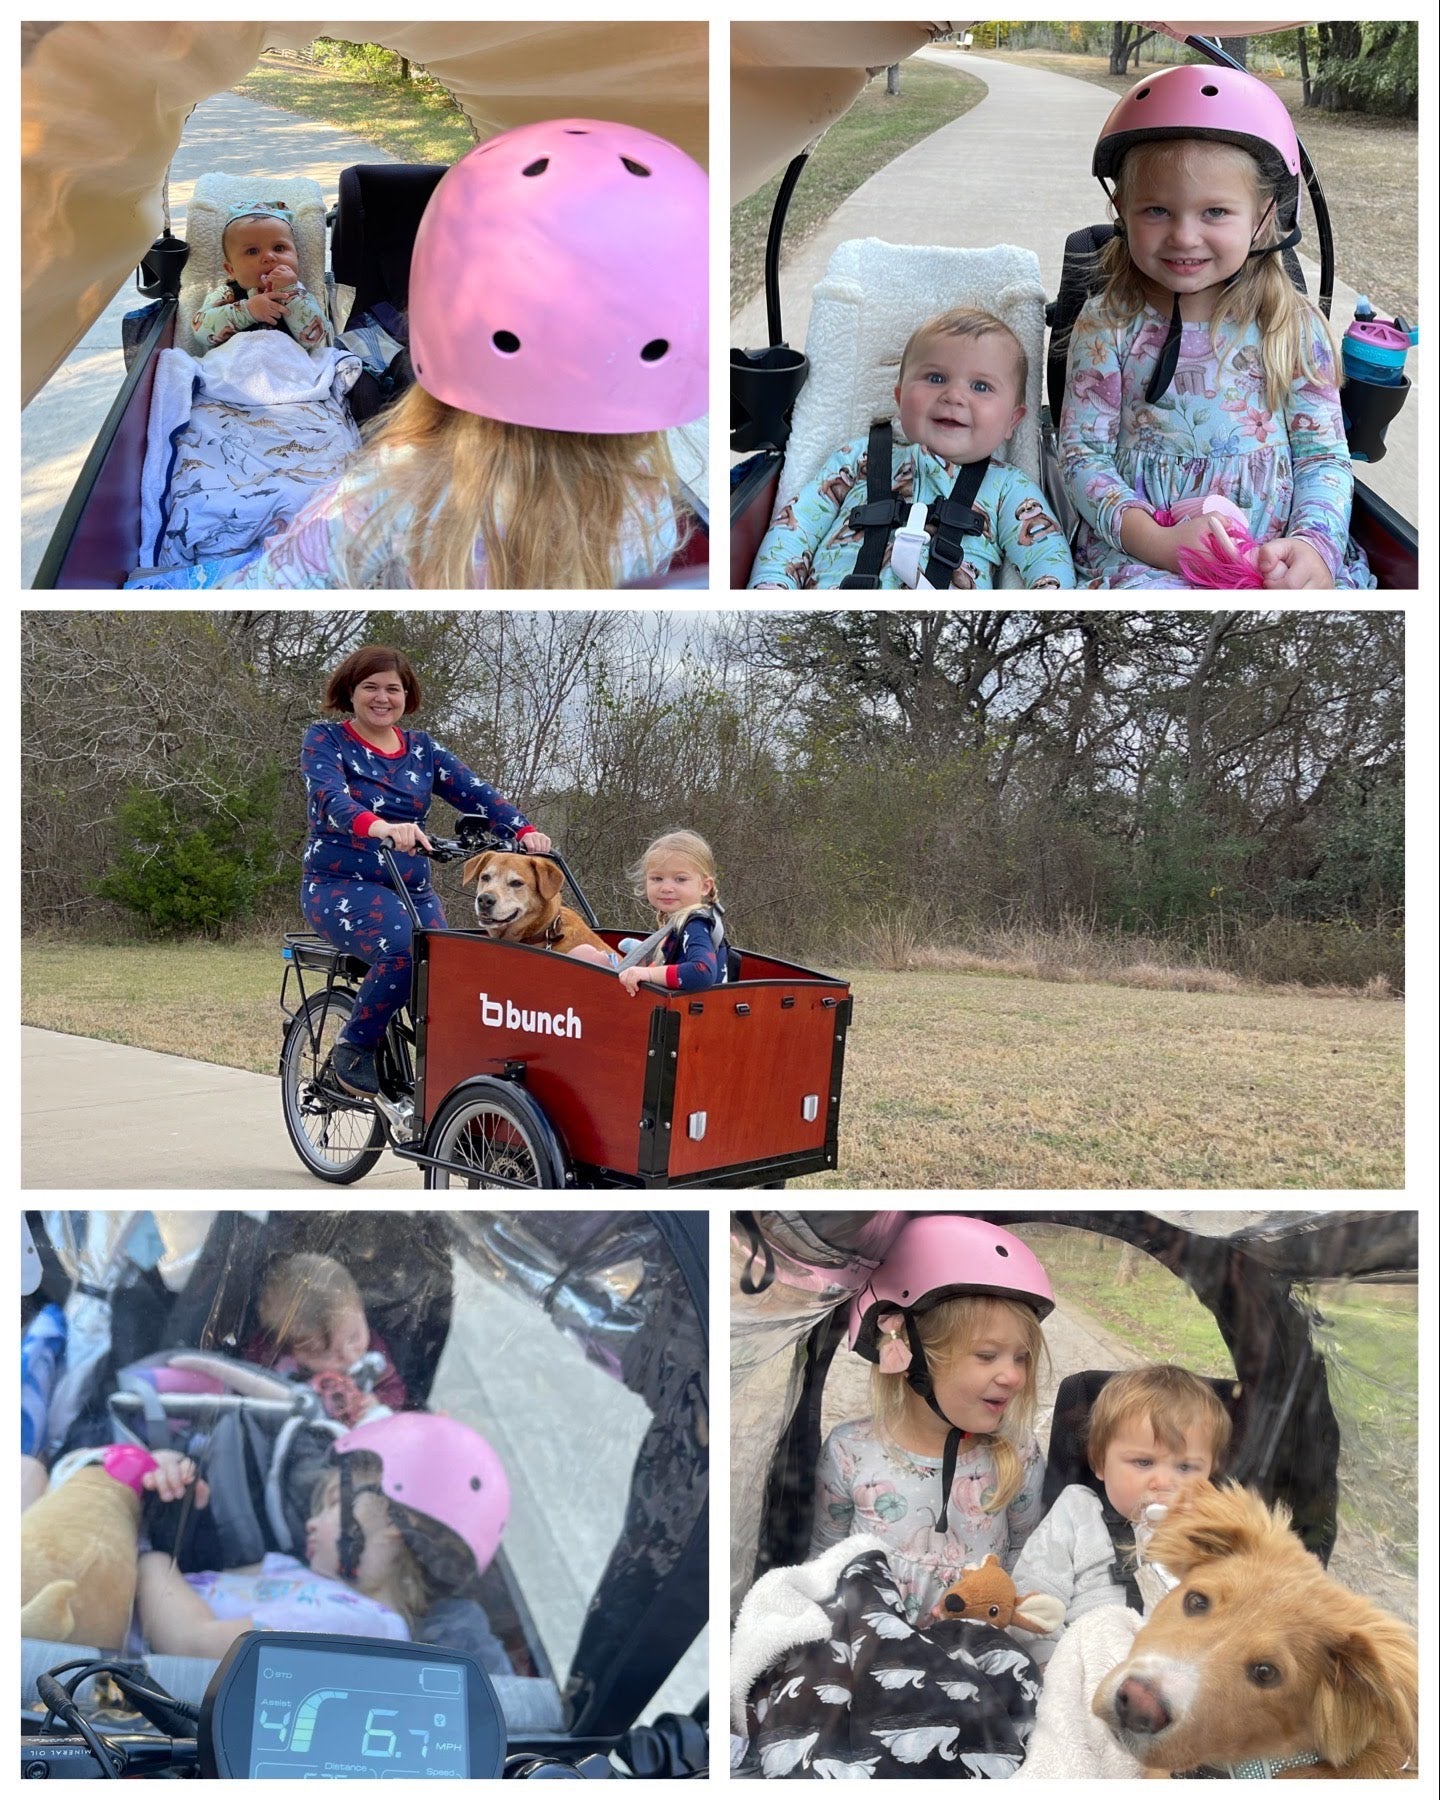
x=955, y=518
x=1122, y=1541
x=880, y=514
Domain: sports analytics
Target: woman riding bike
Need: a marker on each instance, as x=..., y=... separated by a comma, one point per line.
x=367, y=778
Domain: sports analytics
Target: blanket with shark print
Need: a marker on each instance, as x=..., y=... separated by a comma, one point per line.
x=238, y=441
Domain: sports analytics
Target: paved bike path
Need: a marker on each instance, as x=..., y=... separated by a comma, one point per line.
x=98, y=1115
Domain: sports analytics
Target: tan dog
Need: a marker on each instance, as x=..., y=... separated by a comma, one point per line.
x=1259, y=1655
x=517, y=900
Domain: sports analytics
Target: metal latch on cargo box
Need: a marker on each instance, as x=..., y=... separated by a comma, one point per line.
x=698, y=1122
x=810, y=1108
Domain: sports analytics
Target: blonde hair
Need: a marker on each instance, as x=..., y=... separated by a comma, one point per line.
x=552, y=508
x=693, y=848
x=1261, y=293
x=966, y=322
x=947, y=1332
x=1170, y=1399
x=303, y=1297
x=432, y=1561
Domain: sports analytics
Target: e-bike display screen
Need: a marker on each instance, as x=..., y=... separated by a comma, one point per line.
x=309, y=1706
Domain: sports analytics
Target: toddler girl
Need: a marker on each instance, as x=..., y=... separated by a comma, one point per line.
x=557, y=328
x=374, y=1566
x=676, y=876
x=1200, y=371
x=946, y=1469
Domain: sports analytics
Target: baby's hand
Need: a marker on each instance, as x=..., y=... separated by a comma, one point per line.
x=172, y=1475
x=281, y=279
x=1292, y=563
x=265, y=309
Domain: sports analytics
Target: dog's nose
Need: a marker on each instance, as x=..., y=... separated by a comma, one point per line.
x=484, y=903
x=1139, y=1708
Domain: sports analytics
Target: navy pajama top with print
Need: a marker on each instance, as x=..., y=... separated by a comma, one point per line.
x=346, y=894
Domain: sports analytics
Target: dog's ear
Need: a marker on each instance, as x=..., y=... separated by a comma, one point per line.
x=471, y=871
x=1207, y=1523
x=1367, y=1701
x=549, y=877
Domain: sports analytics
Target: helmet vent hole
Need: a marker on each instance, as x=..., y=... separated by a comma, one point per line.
x=634, y=167
x=1209, y=92
x=1143, y=93
x=655, y=349
x=506, y=342
x=474, y=1484
x=575, y=131
x=1000, y=1250
x=538, y=167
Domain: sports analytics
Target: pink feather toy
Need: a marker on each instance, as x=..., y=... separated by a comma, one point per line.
x=1215, y=566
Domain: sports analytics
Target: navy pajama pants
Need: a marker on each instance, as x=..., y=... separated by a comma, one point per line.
x=370, y=921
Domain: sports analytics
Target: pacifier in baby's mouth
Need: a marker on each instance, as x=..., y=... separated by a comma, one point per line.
x=1153, y=1579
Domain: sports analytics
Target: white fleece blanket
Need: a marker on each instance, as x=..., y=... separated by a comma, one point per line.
x=784, y=1608
x=238, y=441
x=869, y=300
x=1068, y=1742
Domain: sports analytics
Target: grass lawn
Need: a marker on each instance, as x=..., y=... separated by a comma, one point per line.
x=874, y=132
x=952, y=1080
x=1368, y=167
x=415, y=121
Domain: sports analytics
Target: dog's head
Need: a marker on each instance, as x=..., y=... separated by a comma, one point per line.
x=516, y=897
x=1257, y=1652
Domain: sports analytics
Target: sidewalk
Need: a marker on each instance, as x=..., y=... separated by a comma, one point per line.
x=98, y=1115
x=225, y=134
x=1016, y=167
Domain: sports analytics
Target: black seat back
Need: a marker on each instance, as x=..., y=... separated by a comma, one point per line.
x=376, y=219
x=1067, y=1465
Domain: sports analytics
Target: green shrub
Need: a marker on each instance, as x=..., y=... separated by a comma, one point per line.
x=184, y=867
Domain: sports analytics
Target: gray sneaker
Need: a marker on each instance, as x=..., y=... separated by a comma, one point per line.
x=354, y=1069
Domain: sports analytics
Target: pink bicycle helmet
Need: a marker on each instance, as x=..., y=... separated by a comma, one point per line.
x=437, y=1466
x=939, y=1256
x=560, y=280
x=1224, y=106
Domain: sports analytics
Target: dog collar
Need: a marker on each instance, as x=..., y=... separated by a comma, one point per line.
x=1264, y=1768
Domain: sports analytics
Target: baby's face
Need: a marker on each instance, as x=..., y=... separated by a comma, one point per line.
x=254, y=246
x=1138, y=1470
x=348, y=1342
x=960, y=396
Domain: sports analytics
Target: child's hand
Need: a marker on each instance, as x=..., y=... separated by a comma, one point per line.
x=172, y=1475
x=264, y=309
x=1202, y=532
x=633, y=979
x=1292, y=563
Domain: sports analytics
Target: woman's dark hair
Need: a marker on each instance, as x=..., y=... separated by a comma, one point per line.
x=360, y=665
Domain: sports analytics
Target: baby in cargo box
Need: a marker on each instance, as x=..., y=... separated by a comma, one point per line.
x=1152, y=1431
x=262, y=289
x=957, y=517
x=313, y=1325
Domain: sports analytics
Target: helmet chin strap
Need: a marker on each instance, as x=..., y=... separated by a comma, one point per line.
x=1164, y=371
x=922, y=1382
x=351, y=1546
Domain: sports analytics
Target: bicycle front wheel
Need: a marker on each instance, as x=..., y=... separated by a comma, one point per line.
x=338, y=1139
x=499, y=1139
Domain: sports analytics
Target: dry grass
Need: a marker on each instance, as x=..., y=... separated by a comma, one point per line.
x=1369, y=168
x=953, y=1080
x=975, y=1081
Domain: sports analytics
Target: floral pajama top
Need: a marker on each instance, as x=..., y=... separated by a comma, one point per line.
x=1212, y=433
x=223, y=313
x=812, y=544
x=864, y=1483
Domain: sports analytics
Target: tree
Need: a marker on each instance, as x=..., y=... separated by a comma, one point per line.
x=1126, y=41
x=1371, y=67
